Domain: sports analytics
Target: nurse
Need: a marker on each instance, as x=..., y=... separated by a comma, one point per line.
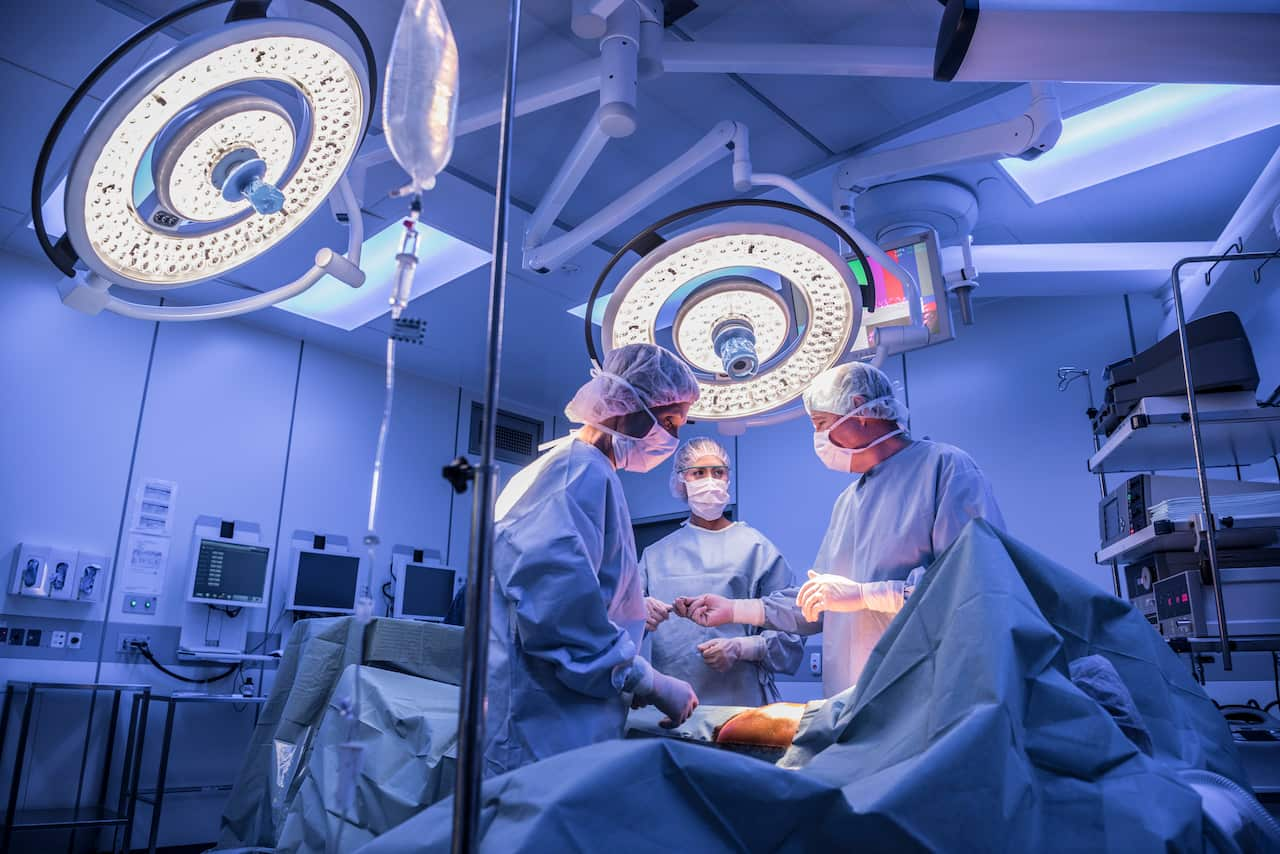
x=567, y=605
x=908, y=502
x=727, y=665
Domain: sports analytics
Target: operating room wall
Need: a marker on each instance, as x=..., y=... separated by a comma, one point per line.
x=251, y=426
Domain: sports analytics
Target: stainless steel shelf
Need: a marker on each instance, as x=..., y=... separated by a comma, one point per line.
x=92, y=816
x=1157, y=435
x=1256, y=643
x=1243, y=532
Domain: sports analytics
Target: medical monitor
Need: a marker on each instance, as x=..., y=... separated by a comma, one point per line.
x=425, y=592
x=918, y=253
x=324, y=582
x=229, y=574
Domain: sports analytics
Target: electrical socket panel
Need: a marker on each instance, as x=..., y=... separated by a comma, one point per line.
x=126, y=642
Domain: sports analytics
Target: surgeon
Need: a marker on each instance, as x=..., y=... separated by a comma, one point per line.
x=567, y=606
x=909, y=500
x=727, y=665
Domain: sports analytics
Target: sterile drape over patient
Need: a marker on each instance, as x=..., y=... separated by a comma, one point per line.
x=965, y=733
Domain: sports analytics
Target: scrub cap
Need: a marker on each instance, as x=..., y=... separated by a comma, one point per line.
x=694, y=449
x=842, y=389
x=634, y=377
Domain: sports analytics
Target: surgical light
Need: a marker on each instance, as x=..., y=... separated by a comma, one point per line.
x=1158, y=124
x=752, y=351
x=208, y=157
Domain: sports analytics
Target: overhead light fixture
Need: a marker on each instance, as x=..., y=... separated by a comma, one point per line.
x=1081, y=257
x=442, y=259
x=1153, y=126
x=757, y=310
x=208, y=157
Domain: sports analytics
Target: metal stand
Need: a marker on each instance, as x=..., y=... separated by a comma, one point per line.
x=1210, y=527
x=79, y=816
x=475, y=671
x=155, y=797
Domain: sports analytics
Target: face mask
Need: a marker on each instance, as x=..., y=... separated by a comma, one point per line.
x=841, y=459
x=645, y=453
x=708, y=497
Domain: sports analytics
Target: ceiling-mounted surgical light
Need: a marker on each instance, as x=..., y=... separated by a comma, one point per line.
x=758, y=310
x=210, y=156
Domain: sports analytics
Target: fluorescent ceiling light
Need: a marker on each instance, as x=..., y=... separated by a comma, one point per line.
x=1155, y=125
x=441, y=259
x=1080, y=257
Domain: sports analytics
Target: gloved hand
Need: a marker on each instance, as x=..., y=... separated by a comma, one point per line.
x=722, y=653
x=657, y=612
x=826, y=592
x=673, y=697
x=706, y=610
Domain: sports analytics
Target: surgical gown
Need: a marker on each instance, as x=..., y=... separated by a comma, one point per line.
x=567, y=608
x=895, y=518
x=738, y=562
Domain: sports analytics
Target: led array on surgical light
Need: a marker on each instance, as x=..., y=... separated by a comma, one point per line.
x=113, y=236
x=756, y=386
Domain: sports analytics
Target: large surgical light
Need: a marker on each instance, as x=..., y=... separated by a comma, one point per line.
x=209, y=156
x=752, y=351
x=1155, y=125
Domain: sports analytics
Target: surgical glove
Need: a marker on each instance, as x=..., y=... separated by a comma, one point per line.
x=711, y=610
x=722, y=653
x=827, y=592
x=673, y=697
x=657, y=612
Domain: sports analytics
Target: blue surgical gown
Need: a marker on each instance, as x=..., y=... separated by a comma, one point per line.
x=567, y=608
x=737, y=562
x=895, y=518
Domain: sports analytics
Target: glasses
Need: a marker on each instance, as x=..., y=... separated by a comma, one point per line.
x=700, y=472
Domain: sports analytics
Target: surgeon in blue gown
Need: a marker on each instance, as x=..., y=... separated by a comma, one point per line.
x=909, y=501
x=567, y=607
x=728, y=665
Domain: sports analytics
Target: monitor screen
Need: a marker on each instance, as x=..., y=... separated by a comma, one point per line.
x=428, y=591
x=919, y=255
x=326, y=582
x=230, y=573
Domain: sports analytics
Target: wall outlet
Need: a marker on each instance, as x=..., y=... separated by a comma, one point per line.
x=75, y=640
x=815, y=663
x=58, y=640
x=34, y=636
x=17, y=637
x=126, y=647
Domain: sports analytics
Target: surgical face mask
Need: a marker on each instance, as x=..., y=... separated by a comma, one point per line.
x=640, y=454
x=646, y=453
x=708, y=497
x=837, y=458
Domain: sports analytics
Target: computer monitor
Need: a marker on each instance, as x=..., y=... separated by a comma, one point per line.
x=230, y=574
x=424, y=592
x=918, y=253
x=324, y=582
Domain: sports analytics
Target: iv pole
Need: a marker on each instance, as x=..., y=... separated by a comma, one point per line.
x=466, y=804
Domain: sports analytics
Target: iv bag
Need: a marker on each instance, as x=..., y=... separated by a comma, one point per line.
x=420, y=92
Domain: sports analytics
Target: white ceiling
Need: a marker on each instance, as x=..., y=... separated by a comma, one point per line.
x=799, y=125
